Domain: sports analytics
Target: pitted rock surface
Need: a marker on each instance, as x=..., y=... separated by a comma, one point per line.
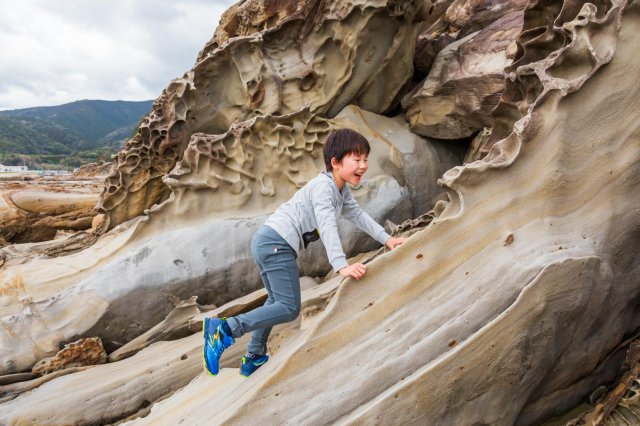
x=81, y=353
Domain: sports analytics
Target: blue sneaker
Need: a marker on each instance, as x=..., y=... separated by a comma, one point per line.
x=215, y=342
x=251, y=363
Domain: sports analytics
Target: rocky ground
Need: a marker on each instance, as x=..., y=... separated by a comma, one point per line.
x=34, y=208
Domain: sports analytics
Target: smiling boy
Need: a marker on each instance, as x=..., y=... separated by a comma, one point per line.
x=308, y=216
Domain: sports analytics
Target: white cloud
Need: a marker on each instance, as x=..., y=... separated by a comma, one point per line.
x=58, y=51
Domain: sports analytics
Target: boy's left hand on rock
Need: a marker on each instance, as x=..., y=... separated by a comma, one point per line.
x=357, y=271
x=393, y=242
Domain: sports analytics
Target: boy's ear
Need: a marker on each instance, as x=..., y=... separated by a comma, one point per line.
x=334, y=162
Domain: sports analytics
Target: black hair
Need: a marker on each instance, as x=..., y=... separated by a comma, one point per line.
x=342, y=142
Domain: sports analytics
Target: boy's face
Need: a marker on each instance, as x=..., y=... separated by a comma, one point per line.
x=350, y=168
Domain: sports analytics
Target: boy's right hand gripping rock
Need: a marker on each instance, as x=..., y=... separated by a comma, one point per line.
x=357, y=271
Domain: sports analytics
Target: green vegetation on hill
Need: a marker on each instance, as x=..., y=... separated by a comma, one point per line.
x=68, y=135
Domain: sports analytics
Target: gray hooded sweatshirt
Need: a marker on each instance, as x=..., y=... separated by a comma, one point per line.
x=314, y=209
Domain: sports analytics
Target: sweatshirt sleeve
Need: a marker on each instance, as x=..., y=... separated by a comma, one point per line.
x=353, y=212
x=324, y=210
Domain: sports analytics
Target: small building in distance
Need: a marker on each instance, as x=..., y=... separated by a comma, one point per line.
x=13, y=169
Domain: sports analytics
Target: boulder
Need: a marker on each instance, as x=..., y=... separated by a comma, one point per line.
x=77, y=354
x=454, y=20
x=465, y=83
x=469, y=16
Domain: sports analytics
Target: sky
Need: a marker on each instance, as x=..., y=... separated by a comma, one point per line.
x=58, y=51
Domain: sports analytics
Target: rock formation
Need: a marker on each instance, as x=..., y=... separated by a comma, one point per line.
x=125, y=388
x=91, y=170
x=450, y=20
x=621, y=406
x=513, y=354
x=77, y=354
x=325, y=55
x=514, y=298
x=143, y=261
x=36, y=209
x=465, y=82
x=463, y=54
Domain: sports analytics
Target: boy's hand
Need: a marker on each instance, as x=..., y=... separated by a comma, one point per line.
x=357, y=270
x=393, y=242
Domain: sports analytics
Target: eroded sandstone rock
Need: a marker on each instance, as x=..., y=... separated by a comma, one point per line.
x=464, y=85
x=519, y=315
x=508, y=304
x=468, y=16
x=93, y=170
x=176, y=248
x=343, y=52
x=456, y=20
x=35, y=210
x=541, y=37
x=259, y=162
x=81, y=353
x=248, y=17
x=173, y=326
x=113, y=391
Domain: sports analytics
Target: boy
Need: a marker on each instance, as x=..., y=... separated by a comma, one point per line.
x=308, y=216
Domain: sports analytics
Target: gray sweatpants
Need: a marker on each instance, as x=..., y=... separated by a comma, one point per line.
x=277, y=264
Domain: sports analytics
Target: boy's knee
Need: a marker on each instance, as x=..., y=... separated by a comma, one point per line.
x=292, y=312
x=287, y=311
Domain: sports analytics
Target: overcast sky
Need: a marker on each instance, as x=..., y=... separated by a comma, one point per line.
x=58, y=51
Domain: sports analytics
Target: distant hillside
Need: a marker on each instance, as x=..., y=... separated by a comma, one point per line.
x=69, y=128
